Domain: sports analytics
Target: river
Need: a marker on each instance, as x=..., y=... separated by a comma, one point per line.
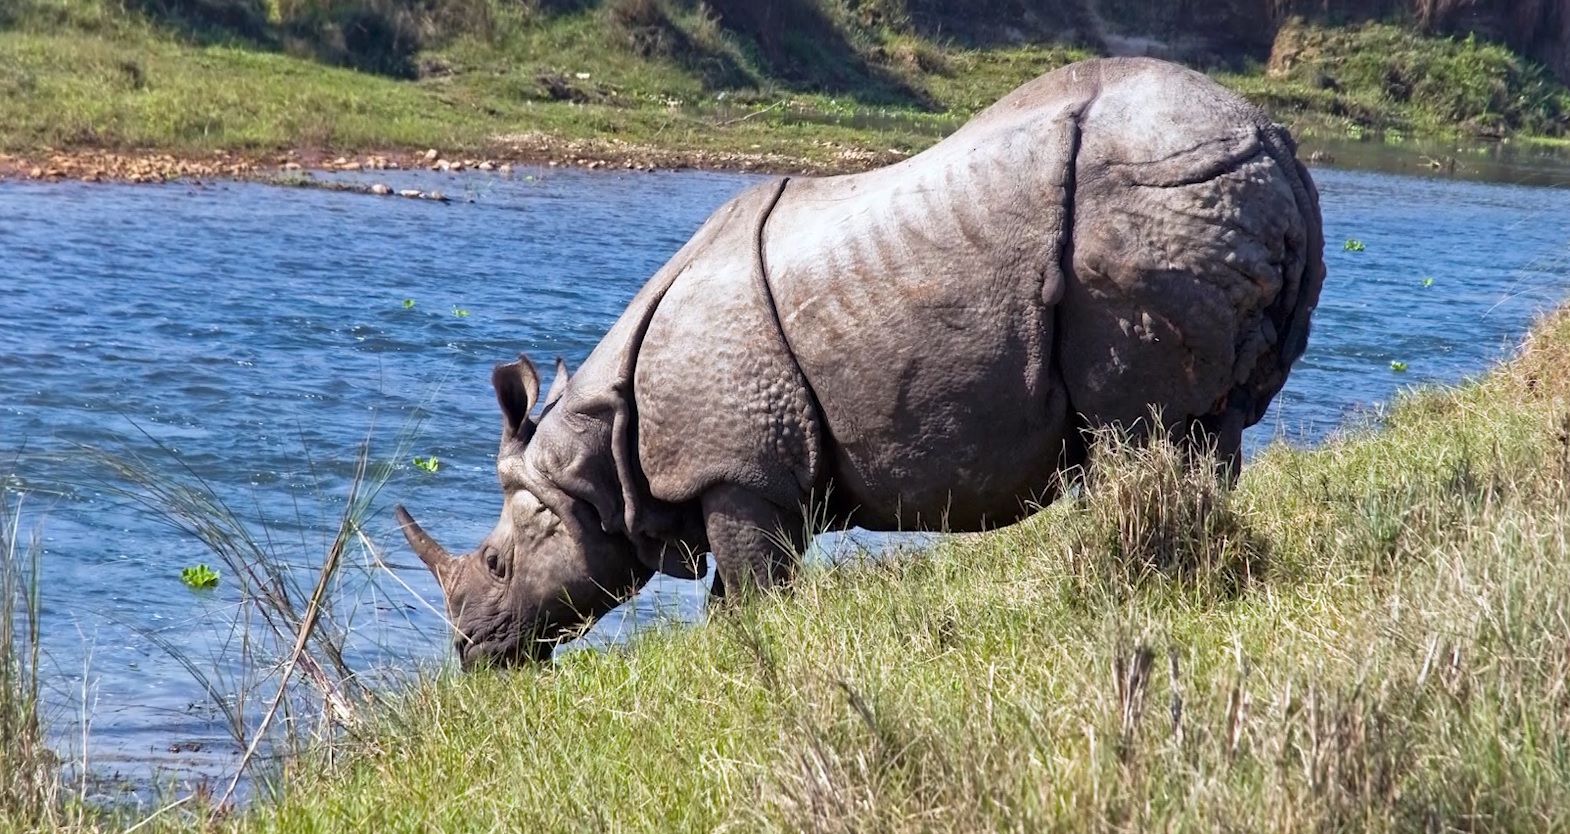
x=246, y=339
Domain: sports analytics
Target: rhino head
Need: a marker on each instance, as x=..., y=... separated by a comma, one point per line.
x=548, y=569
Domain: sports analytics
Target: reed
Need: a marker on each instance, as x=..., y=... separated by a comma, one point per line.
x=29, y=783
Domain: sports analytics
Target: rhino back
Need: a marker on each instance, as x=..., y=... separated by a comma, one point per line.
x=919, y=299
x=1115, y=234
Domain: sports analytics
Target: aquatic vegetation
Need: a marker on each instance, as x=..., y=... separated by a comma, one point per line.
x=429, y=463
x=408, y=303
x=1428, y=282
x=199, y=576
x=1353, y=245
x=1398, y=366
x=460, y=312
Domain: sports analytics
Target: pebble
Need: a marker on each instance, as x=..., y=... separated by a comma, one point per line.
x=380, y=189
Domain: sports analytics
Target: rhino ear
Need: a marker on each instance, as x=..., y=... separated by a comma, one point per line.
x=517, y=387
x=558, y=383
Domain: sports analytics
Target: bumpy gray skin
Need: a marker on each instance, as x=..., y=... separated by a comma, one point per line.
x=916, y=347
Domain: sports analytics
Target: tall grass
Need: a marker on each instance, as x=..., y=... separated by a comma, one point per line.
x=293, y=633
x=1397, y=663
x=28, y=778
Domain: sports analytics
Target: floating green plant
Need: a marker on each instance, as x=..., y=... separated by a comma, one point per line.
x=1428, y=282
x=408, y=303
x=1397, y=365
x=199, y=576
x=1353, y=245
x=429, y=463
x=459, y=311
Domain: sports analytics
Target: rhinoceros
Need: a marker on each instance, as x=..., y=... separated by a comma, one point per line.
x=916, y=347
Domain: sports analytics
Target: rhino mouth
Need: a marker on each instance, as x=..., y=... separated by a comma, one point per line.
x=504, y=652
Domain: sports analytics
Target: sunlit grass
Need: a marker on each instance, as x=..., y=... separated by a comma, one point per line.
x=1394, y=661
x=1366, y=635
x=89, y=74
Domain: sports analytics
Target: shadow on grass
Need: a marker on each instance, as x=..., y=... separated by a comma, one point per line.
x=381, y=37
x=800, y=46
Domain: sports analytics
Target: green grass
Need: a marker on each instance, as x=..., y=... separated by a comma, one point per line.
x=1390, y=78
x=1367, y=636
x=625, y=76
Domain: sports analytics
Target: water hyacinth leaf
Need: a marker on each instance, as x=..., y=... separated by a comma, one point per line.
x=408, y=303
x=428, y=462
x=1353, y=245
x=1428, y=282
x=459, y=311
x=199, y=576
x=1397, y=365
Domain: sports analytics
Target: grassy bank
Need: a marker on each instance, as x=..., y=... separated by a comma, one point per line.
x=1367, y=636
x=844, y=86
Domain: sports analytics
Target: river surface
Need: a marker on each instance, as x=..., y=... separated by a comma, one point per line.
x=247, y=339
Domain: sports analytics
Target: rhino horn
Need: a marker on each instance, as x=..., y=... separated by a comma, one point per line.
x=432, y=554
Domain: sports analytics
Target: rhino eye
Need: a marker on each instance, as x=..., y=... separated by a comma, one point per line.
x=495, y=564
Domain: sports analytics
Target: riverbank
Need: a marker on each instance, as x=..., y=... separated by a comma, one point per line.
x=1364, y=636
x=642, y=84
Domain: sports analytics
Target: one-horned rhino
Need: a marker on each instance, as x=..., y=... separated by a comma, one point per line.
x=914, y=347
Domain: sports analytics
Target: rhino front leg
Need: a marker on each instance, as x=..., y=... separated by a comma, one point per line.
x=756, y=543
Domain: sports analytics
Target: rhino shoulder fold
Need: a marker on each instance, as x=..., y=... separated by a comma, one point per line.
x=720, y=396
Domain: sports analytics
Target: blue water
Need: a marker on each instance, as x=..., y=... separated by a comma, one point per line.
x=251, y=337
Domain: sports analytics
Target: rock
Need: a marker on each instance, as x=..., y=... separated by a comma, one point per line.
x=380, y=189
x=455, y=167
x=409, y=192
x=486, y=166
x=432, y=155
x=505, y=168
x=443, y=165
x=351, y=166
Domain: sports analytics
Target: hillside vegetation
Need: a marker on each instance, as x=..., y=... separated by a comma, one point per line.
x=803, y=79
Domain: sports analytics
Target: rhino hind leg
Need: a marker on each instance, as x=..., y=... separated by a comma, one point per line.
x=756, y=543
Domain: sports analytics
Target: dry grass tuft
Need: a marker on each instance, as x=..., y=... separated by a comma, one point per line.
x=1160, y=505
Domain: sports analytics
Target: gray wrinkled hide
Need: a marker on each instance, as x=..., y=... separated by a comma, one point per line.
x=1114, y=235
x=922, y=343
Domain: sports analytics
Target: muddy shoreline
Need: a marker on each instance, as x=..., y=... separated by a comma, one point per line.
x=298, y=166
